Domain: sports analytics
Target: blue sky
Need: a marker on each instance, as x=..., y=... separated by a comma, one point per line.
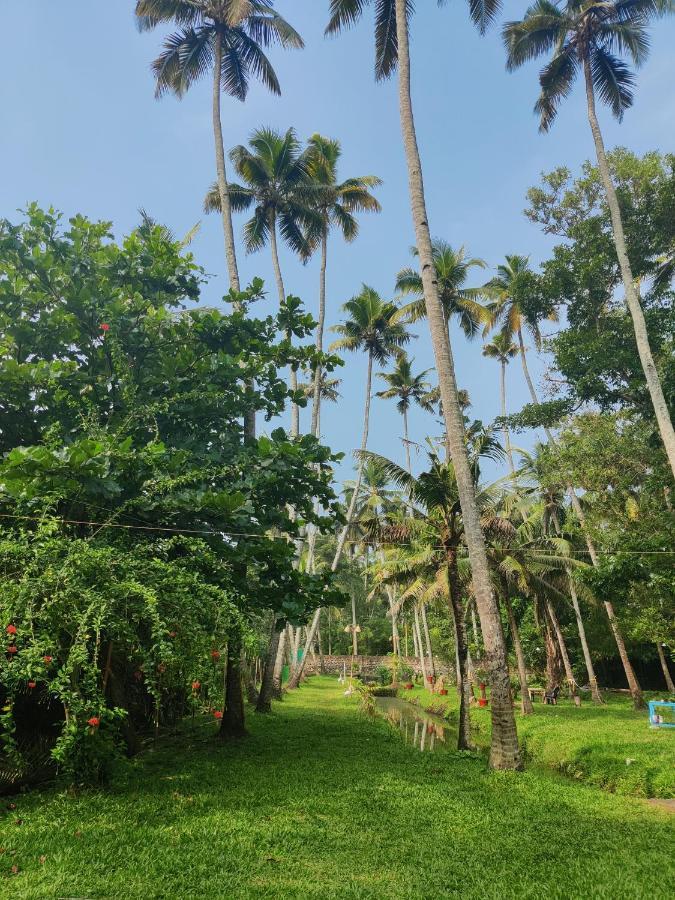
x=81, y=130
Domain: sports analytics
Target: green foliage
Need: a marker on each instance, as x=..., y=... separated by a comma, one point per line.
x=383, y=675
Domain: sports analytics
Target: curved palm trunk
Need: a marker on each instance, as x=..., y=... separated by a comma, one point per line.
x=507, y=436
x=526, y=707
x=631, y=678
x=590, y=670
x=569, y=674
x=632, y=300
x=464, y=687
x=664, y=666
x=294, y=680
x=420, y=645
x=293, y=379
x=321, y=320
x=427, y=638
x=504, y=751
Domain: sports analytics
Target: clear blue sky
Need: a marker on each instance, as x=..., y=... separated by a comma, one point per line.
x=81, y=130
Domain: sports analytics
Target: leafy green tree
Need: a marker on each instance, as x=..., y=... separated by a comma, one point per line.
x=226, y=38
x=586, y=37
x=407, y=388
x=392, y=52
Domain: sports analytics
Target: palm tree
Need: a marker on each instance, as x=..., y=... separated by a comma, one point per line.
x=452, y=270
x=336, y=204
x=502, y=348
x=391, y=50
x=275, y=172
x=225, y=37
x=586, y=37
x=370, y=326
x=407, y=389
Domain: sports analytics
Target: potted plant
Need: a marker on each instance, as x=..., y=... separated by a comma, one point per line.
x=481, y=675
x=406, y=674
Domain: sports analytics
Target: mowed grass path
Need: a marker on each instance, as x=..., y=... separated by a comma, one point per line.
x=322, y=802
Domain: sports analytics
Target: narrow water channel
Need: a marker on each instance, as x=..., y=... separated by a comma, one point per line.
x=420, y=729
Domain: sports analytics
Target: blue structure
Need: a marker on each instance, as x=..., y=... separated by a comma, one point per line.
x=656, y=719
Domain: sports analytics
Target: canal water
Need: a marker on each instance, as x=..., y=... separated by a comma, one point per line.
x=423, y=731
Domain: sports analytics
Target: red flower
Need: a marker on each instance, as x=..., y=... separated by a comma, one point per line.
x=11, y=629
x=217, y=714
x=105, y=326
x=12, y=649
x=196, y=685
x=47, y=659
x=32, y=684
x=215, y=654
x=94, y=721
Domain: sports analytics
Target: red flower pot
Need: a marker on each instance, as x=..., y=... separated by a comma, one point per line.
x=408, y=686
x=443, y=692
x=482, y=701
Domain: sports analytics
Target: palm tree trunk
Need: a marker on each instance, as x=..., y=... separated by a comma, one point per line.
x=395, y=640
x=507, y=437
x=592, y=680
x=420, y=645
x=277, y=678
x=632, y=300
x=294, y=680
x=355, y=643
x=569, y=674
x=266, y=694
x=405, y=441
x=223, y=188
x=464, y=683
x=664, y=665
x=635, y=692
x=321, y=320
x=293, y=379
x=526, y=707
x=427, y=638
x=504, y=750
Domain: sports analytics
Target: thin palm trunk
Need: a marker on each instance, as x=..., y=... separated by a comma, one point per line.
x=526, y=707
x=632, y=300
x=462, y=650
x=294, y=680
x=427, y=638
x=504, y=751
x=590, y=670
x=507, y=437
x=293, y=378
x=664, y=665
x=320, y=323
x=569, y=674
x=420, y=645
x=406, y=442
x=266, y=694
x=634, y=687
x=223, y=188
x=355, y=643
x=279, y=667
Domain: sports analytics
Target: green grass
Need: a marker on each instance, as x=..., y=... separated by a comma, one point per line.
x=321, y=801
x=591, y=743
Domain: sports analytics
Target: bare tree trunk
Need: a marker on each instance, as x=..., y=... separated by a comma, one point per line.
x=664, y=665
x=526, y=707
x=277, y=677
x=569, y=674
x=504, y=750
x=420, y=645
x=635, y=692
x=590, y=670
x=281, y=291
x=294, y=680
x=464, y=741
x=507, y=436
x=355, y=643
x=395, y=640
x=266, y=694
x=427, y=638
x=554, y=667
x=232, y=724
x=316, y=398
x=632, y=300
x=322, y=663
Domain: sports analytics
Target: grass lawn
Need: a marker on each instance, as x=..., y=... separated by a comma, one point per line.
x=611, y=746
x=321, y=801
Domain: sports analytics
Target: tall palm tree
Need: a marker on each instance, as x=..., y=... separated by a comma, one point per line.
x=336, y=203
x=225, y=37
x=458, y=301
x=407, y=388
x=502, y=348
x=392, y=50
x=588, y=37
x=371, y=327
x=275, y=172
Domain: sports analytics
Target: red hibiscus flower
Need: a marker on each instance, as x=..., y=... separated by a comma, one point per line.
x=196, y=685
x=11, y=629
x=47, y=659
x=32, y=684
x=94, y=722
x=217, y=714
x=105, y=327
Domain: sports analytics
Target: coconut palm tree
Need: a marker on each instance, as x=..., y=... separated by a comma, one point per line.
x=588, y=38
x=370, y=326
x=392, y=51
x=452, y=270
x=337, y=203
x=407, y=388
x=275, y=172
x=502, y=348
x=225, y=37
